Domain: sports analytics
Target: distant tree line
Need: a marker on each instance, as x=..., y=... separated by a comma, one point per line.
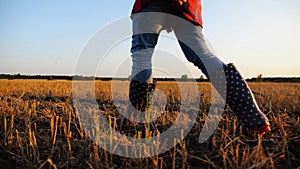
x=52, y=77
x=276, y=79
x=184, y=77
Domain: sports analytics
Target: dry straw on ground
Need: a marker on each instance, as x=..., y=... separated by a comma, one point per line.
x=39, y=129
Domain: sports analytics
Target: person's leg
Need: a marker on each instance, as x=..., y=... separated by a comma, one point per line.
x=147, y=24
x=238, y=94
x=193, y=45
x=146, y=31
x=141, y=52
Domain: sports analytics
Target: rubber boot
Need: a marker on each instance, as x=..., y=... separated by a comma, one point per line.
x=140, y=94
x=242, y=102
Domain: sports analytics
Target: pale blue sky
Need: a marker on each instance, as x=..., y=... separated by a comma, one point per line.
x=46, y=37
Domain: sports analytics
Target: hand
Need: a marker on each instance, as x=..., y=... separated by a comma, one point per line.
x=181, y=2
x=169, y=30
x=184, y=4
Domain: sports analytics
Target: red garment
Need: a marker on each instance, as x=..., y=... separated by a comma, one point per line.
x=192, y=12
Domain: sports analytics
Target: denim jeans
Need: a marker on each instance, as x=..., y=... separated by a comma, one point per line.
x=146, y=30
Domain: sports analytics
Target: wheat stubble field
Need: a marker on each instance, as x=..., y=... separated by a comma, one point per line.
x=38, y=129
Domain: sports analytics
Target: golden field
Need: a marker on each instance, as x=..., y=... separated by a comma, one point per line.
x=38, y=129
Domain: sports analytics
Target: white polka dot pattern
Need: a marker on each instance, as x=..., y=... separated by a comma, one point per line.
x=139, y=94
x=240, y=99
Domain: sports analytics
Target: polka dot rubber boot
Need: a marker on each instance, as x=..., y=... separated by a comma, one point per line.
x=140, y=94
x=242, y=102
